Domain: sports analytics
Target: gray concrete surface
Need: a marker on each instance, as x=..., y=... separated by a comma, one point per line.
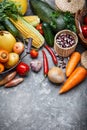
x=36, y=105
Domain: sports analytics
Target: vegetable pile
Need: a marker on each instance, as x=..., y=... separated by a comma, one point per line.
x=21, y=34
x=57, y=19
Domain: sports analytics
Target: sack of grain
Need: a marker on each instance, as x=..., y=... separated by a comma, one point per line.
x=70, y=5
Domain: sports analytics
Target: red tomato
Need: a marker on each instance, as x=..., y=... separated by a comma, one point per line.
x=41, y=31
x=34, y=53
x=85, y=20
x=84, y=30
x=22, y=69
x=39, y=28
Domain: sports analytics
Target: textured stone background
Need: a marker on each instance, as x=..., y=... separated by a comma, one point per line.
x=35, y=106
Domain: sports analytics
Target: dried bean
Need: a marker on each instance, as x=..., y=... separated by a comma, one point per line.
x=65, y=40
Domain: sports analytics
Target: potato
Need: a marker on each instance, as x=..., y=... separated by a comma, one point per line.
x=56, y=75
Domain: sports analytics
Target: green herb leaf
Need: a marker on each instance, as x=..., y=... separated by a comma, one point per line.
x=9, y=9
x=69, y=21
x=67, y=17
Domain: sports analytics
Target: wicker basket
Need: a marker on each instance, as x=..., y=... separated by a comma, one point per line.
x=65, y=52
x=79, y=16
x=70, y=5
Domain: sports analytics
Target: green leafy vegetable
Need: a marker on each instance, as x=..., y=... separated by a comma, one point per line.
x=57, y=21
x=69, y=21
x=9, y=9
x=68, y=18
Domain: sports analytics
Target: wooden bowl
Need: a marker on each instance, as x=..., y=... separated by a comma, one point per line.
x=79, y=16
x=65, y=52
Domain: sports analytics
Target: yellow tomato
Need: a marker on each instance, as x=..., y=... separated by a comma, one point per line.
x=13, y=60
x=24, y=5
x=7, y=41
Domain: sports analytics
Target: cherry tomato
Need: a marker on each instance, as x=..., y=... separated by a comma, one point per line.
x=84, y=30
x=34, y=53
x=85, y=20
x=39, y=28
x=22, y=69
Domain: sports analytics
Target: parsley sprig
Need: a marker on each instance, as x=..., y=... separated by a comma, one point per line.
x=9, y=9
x=68, y=18
x=69, y=21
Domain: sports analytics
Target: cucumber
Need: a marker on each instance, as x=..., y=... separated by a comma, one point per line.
x=1, y=27
x=10, y=27
x=42, y=9
x=48, y=34
x=47, y=14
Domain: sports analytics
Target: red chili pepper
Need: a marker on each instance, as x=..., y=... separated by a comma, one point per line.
x=54, y=58
x=45, y=63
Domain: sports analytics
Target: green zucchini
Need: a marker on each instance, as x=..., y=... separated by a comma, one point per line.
x=48, y=34
x=47, y=14
x=10, y=27
x=42, y=9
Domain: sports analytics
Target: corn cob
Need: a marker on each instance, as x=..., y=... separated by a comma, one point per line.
x=34, y=20
x=27, y=31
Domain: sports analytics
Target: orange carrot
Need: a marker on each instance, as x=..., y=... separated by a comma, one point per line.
x=75, y=78
x=2, y=68
x=72, y=63
x=4, y=56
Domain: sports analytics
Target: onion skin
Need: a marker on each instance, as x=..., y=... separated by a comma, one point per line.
x=56, y=75
x=18, y=47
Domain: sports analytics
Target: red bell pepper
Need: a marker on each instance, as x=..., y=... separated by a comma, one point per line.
x=22, y=69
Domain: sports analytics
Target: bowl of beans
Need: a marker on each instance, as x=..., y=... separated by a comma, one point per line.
x=65, y=43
